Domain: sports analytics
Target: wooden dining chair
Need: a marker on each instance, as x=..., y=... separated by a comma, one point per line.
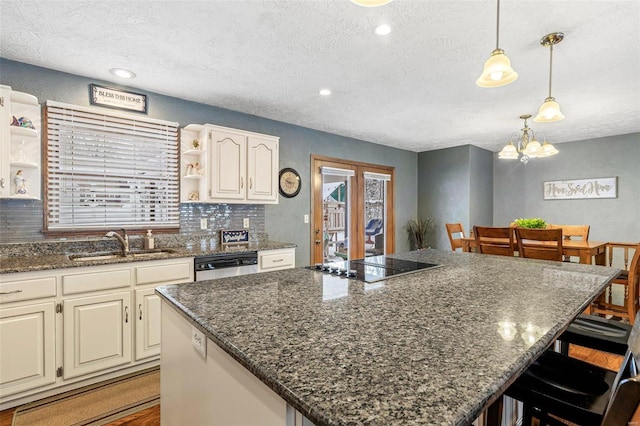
x=572, y=232
x=545, y=244
x=606, y=304
x=452, y=230
x=498, y=241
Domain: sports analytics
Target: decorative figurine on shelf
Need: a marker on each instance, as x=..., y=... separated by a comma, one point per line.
x=195, y=143
x=22, y=122
x=193, y=168
x=19, y=181
x=194, y=196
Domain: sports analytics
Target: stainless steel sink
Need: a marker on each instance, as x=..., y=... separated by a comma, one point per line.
x=89, y=257
x=150, y=253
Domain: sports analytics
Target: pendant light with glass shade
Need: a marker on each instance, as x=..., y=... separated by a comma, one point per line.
x=497, y=69
x=527, y=145
x=550, y=110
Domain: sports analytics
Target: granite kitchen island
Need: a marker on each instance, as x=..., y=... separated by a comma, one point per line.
x=432, y=347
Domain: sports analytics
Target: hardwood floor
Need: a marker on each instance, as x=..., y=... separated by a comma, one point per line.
x=151, y=416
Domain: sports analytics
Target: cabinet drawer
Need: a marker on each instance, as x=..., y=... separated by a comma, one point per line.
x=277, y=260
x=93, y=281
x=176, y=272
x=14, y=291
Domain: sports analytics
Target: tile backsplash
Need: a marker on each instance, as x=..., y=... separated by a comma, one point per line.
x=21, y=220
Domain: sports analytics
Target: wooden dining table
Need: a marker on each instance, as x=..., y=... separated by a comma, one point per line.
x=589, y=252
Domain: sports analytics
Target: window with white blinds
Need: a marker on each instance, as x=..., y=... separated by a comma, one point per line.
x=110, y=170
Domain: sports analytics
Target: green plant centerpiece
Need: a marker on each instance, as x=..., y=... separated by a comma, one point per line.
x=531, y=223
x=417, y=230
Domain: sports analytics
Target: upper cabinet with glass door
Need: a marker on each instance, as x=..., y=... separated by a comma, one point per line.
x=238, y=167
x=20, y=130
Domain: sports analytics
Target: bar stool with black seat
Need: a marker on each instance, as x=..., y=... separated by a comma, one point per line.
x=579, y=392
x=455, y=232
x=490, y=240
x=586, y=330
x=603, y=334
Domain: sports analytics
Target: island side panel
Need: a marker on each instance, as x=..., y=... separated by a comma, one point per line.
x=212, y=391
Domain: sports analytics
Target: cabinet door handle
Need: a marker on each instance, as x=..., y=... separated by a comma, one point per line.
x=11, y=292
x=241, y=182
x=2, y=183
x=277, y=260
x=250, y=183
x=126, y=314
x=140, y=310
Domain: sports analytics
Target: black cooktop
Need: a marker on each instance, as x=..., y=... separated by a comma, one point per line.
x=374, y=268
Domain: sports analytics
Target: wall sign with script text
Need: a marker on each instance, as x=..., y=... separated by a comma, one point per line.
x=581, y=188
x=118, y=99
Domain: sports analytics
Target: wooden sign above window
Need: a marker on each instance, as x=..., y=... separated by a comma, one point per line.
x=581, y=188
x=118, y=99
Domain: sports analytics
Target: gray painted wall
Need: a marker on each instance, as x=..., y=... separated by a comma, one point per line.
x=283, y=222
x=518, y=188
x=480, y=187
x=443, y=190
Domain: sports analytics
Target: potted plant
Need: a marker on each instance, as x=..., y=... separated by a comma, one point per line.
x=417, y=230
x=531, y=223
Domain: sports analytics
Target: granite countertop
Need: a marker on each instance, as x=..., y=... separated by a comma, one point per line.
x=32, y=260
x=433, y=347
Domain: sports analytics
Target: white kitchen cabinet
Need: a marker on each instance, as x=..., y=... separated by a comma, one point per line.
x=20, y=159
x=71, y=327
x=97, y=333
x=274, y=260
x=27, y=352
x=147, y=330
x=239, y=166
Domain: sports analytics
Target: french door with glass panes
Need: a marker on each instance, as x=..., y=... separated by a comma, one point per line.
x=352, y=210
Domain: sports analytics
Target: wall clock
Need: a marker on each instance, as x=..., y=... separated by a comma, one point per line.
x=290, y=182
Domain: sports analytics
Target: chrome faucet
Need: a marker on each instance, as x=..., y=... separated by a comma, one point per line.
x=124, y=241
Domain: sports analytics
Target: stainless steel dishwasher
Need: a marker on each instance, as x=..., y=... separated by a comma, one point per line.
x=225, y=265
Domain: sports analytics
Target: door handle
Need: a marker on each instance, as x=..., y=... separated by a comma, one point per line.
x=140, y=310
x=126, y=314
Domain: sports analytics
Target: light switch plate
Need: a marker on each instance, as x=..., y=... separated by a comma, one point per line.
x=203, y=223
x=306, y=218
x=199, y=342
x=245, y=222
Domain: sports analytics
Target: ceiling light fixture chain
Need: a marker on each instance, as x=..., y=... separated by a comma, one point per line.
x=527, y=145
x=550, y=110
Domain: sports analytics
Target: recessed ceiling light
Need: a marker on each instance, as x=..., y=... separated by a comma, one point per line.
x=382, y=29
x=371, y=3
x=121, y=72
x=324, y=92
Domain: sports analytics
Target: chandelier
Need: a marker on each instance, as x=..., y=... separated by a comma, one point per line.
x=526, y=146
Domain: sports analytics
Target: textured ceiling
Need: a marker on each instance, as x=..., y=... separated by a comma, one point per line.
x=413, y=89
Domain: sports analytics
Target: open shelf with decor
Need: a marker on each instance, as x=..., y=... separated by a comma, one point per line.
x=20, y=129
